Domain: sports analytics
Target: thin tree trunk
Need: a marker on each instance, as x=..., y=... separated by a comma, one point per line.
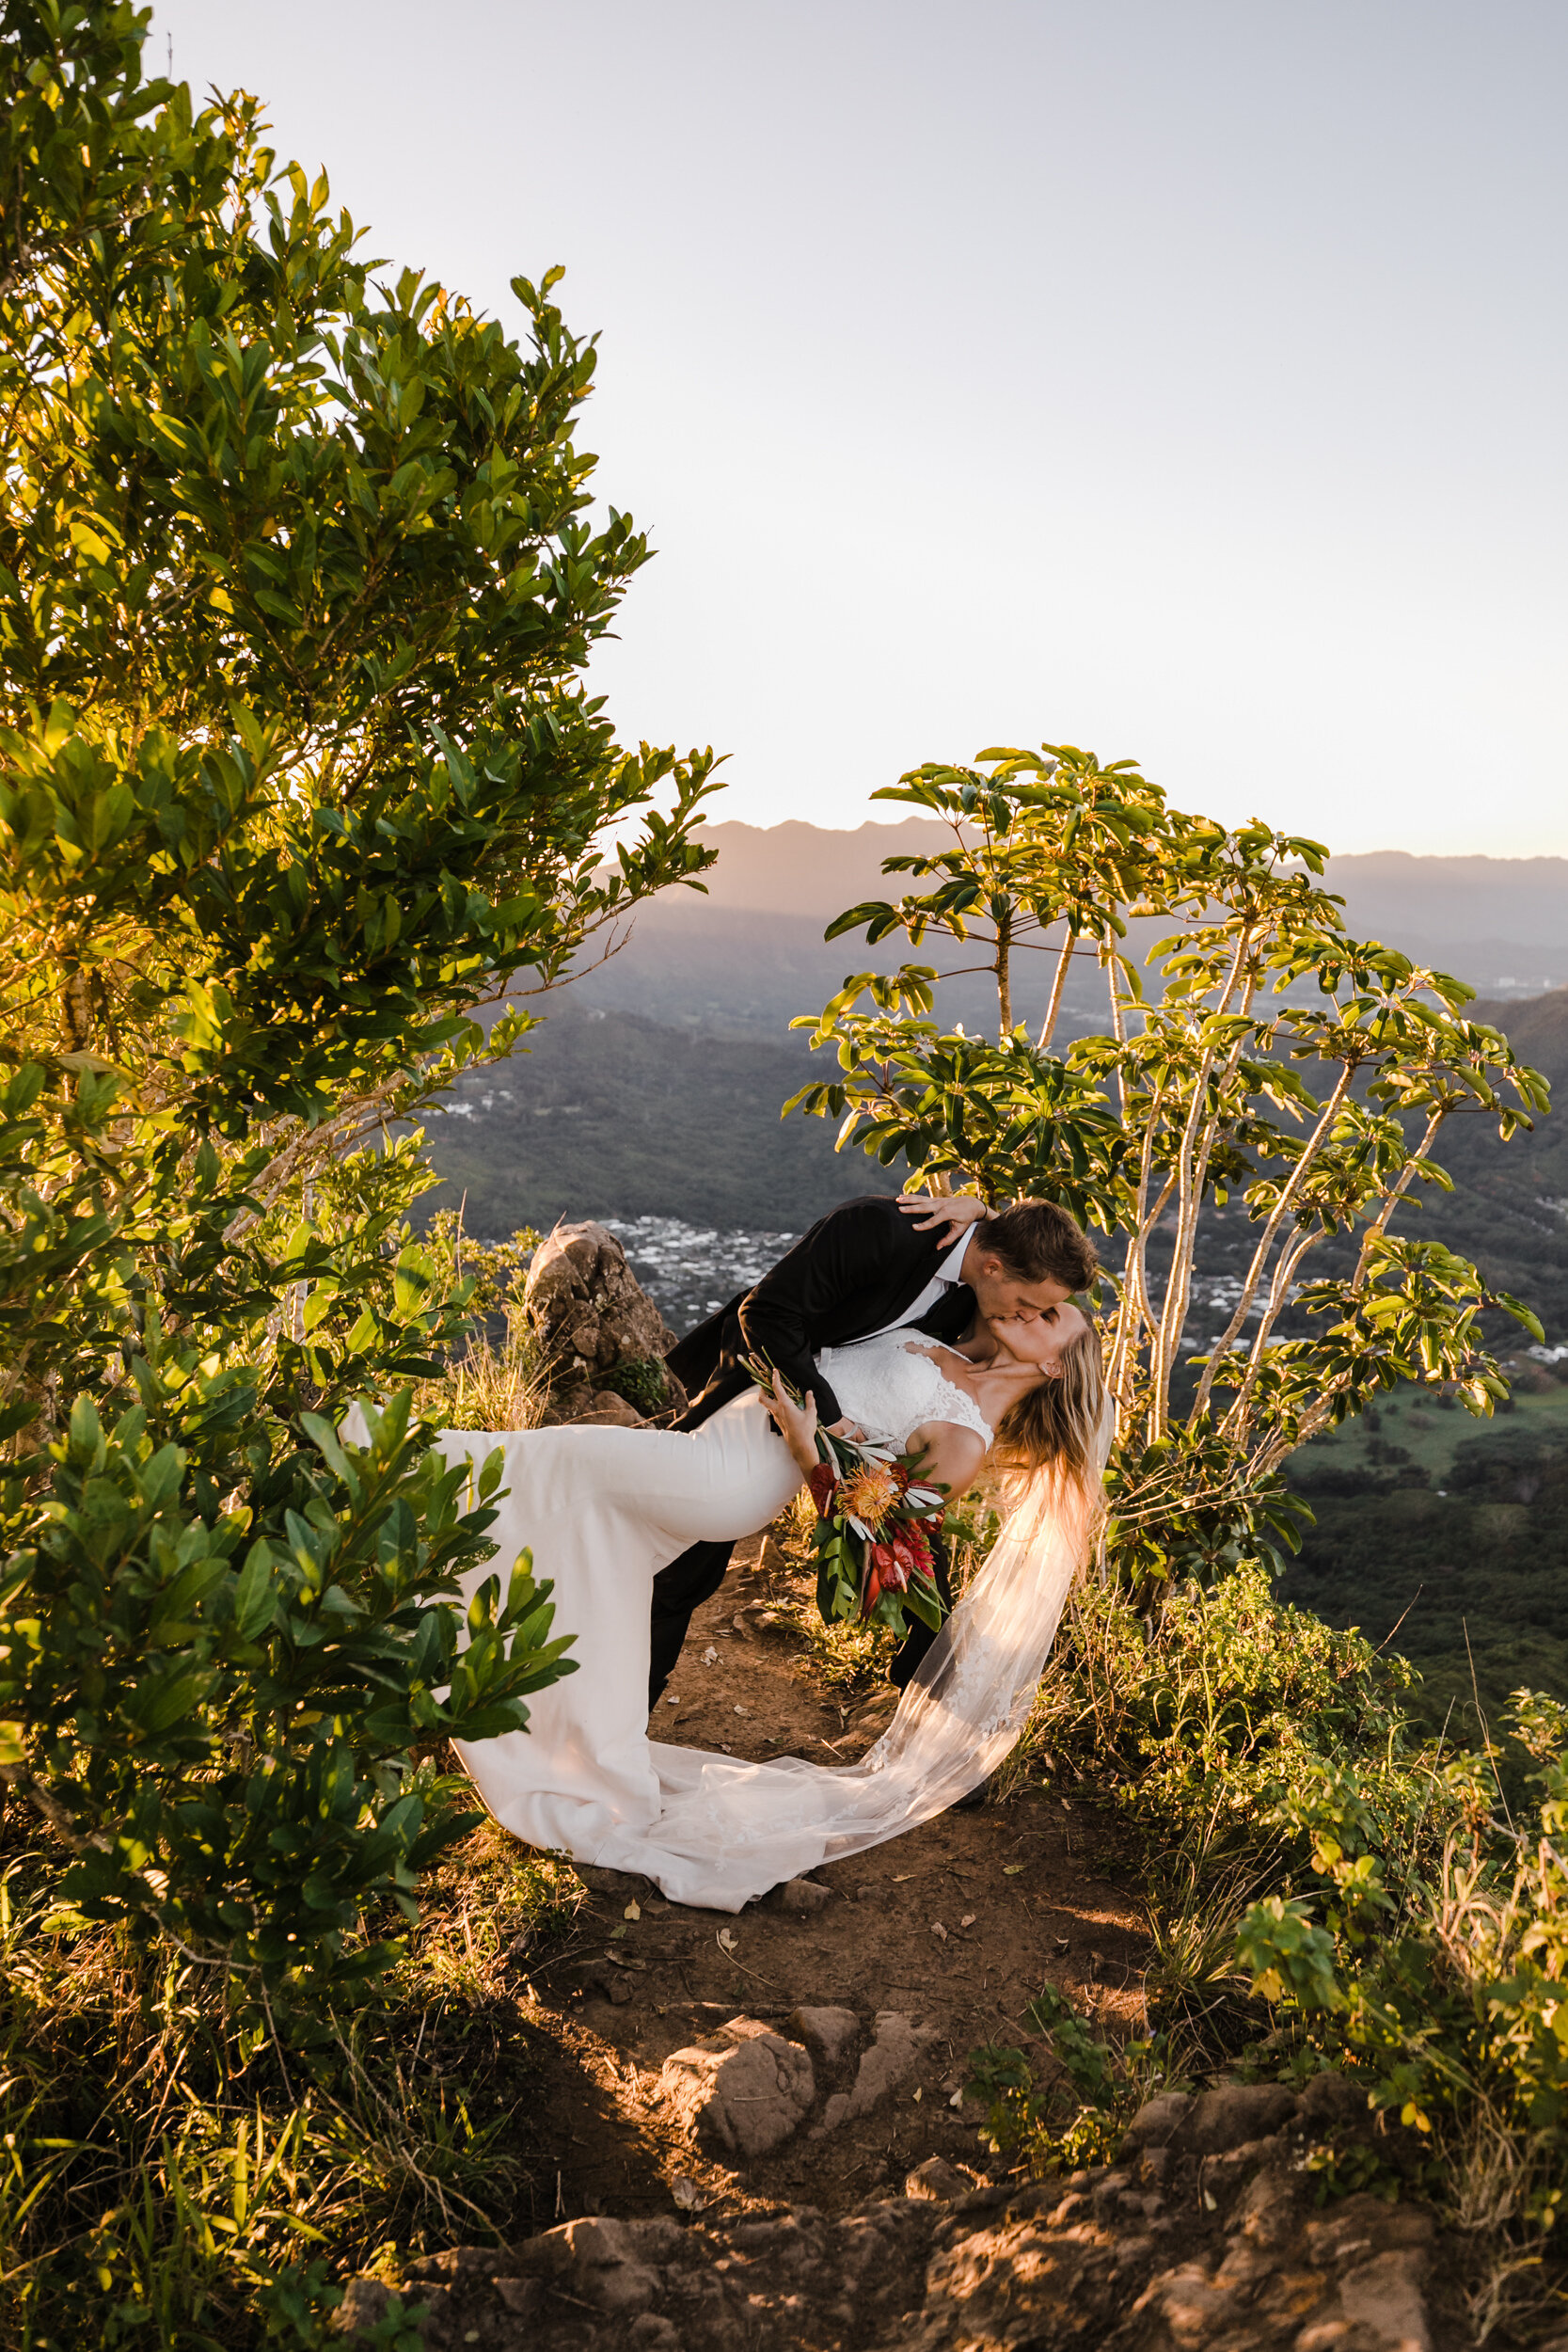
x=1057, y=986
x=1281, y=1210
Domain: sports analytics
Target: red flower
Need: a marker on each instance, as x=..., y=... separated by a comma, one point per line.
x=893, y=1572
x=917, y=1546
x=821, y=1483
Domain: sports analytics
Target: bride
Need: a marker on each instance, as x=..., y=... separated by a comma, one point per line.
x=603, y=1509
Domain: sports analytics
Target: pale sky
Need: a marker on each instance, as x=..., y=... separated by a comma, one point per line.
x=1184, y=378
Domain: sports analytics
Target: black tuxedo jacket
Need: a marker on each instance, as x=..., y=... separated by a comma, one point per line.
x=856, y=1271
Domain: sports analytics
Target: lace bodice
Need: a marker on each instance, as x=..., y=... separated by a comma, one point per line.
x=890, y=1385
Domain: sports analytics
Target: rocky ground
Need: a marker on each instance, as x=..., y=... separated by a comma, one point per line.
x=1204, y=2232
x=752, y=2131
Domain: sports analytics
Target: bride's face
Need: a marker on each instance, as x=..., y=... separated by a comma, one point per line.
x=1041, y=1340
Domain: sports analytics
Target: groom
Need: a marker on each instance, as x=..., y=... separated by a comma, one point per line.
x=873, y=1265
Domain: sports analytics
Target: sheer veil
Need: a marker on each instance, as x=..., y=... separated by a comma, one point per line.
x=727, y=1830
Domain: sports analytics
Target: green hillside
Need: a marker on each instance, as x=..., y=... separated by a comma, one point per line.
x=609, y=1114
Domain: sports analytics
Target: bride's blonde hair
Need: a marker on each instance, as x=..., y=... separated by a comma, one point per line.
x=1052, y=1433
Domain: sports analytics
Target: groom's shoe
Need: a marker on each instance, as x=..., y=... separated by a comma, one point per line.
x=975, y=1799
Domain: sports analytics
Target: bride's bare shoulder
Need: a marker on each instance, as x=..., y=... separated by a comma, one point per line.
x=949, y=1454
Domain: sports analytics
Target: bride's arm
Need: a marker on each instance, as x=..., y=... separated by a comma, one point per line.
x=947, y=1455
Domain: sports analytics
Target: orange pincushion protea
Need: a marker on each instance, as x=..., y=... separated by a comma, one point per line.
x=869, y=1493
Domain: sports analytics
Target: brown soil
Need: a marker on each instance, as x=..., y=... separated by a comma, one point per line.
x=958, y=1923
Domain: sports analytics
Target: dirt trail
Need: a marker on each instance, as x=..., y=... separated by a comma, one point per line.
x=751, y=2132
x=954, y=1924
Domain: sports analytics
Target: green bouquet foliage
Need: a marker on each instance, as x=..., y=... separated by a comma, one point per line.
x=297, y=772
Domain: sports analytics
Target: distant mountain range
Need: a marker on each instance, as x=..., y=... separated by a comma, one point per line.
x=750, y=954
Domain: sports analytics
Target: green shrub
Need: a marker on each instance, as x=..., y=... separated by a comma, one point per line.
x=1079, y=2117
x=643, y=1381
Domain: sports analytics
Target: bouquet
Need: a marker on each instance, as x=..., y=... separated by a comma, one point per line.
x=874, y=1530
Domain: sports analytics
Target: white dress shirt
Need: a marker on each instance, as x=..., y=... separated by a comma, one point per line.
x=945, y=1279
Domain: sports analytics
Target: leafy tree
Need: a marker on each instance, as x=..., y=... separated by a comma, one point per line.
x=1259, y=1054
x=298, y=770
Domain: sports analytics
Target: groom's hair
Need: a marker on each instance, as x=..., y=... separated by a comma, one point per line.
x=1038, y=1242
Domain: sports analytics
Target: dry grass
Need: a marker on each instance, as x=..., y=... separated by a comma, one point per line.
x=491, y=1387
x=169, y=2169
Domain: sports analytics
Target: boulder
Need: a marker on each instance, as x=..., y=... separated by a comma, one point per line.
x=740, y=2091
x=594, y=1319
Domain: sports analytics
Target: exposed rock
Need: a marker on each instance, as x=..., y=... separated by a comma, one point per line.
x=938, y=2180
x=1223, y=2251
x=1384, y=2297
x=828, y=2034
x=1331, y=2099
x=607, y=2262
x=364, y=2302
x=1229, y=2117
x=740, y=2091
x=594, y=1318
x=804, y=1896
x=1156, y=2121
x=890, y=2060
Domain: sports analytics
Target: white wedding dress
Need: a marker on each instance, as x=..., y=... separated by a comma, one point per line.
x=602, y=1509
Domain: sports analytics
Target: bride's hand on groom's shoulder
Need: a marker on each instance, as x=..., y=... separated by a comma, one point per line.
x=955, y=1212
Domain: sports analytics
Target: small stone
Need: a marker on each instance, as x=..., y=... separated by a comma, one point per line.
x=1189, y=2302
x=828, y=2034
x=602, y=1881
x=364, y=2305
x=522, y=2297
x=609, y=1412
x=804, y=1897
x=938, y=2181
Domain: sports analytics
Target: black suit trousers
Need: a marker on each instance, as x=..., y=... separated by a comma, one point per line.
x=679, y=1590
